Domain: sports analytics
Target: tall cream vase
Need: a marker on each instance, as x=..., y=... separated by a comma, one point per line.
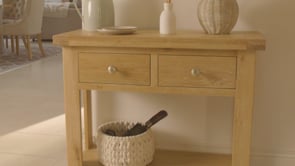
x=218, y=16
x=96, y=14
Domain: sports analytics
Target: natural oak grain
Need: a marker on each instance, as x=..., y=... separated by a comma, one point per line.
x=86, y=96
x=72, y=108
x=152, y=39
x=210, y=72
x=175, y=158
x=130, y=69
x=151, y=63
x=243, y=108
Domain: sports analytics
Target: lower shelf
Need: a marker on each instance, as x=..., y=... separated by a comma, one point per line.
x=174, y=158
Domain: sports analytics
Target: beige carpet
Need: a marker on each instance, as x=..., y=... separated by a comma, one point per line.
x=10, y=61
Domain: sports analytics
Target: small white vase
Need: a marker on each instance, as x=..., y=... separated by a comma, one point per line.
x=218, y=16
x=167, y=20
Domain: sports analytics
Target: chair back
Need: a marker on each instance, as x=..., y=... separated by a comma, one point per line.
x=13, y=9
x=30, y=21
x=33, y=16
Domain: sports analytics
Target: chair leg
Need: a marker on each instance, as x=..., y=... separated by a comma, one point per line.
x=6, y=41
x=25, y=42
x=1, y=43
x=17, y=45
x=12, y=43
x=39, y=39
x=29, y=50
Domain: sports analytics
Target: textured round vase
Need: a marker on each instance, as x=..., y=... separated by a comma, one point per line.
x=218, y=16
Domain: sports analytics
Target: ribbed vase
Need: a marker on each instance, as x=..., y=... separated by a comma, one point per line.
x=218, y=16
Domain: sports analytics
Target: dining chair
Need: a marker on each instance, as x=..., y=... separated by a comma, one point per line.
x=28, y=25
x=12, y=12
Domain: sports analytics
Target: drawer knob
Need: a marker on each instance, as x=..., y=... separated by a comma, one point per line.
x=112, y=69
x=195, y=72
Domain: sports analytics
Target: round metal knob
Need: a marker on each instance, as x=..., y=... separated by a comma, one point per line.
x=195, y=72
x=112, y=69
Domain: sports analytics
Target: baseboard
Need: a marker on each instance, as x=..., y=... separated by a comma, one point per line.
x=286, y=154
x=273, y=158
x=261, y=157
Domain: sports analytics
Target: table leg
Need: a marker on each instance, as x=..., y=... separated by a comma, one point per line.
x=72, y=109
x=86, y=95
x=243, y=109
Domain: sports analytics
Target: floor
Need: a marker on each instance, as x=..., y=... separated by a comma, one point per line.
x=32, y=130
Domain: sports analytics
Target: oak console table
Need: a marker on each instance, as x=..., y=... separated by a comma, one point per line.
x=189, y=62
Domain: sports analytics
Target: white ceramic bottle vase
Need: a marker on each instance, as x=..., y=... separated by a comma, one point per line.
x=167, y=20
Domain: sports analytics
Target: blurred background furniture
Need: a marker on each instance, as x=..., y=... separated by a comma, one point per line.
x=13, y=11
x=28, y=24
x=1, y=36
x=59, y=16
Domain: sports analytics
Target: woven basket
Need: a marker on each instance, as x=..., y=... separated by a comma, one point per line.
x=135, y=150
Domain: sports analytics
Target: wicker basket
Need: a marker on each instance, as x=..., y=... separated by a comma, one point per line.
x=124, y=150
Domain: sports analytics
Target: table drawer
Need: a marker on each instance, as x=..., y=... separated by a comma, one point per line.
x=110, y=68
x=197, y=71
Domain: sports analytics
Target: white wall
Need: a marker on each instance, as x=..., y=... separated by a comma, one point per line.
x=204, y=123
